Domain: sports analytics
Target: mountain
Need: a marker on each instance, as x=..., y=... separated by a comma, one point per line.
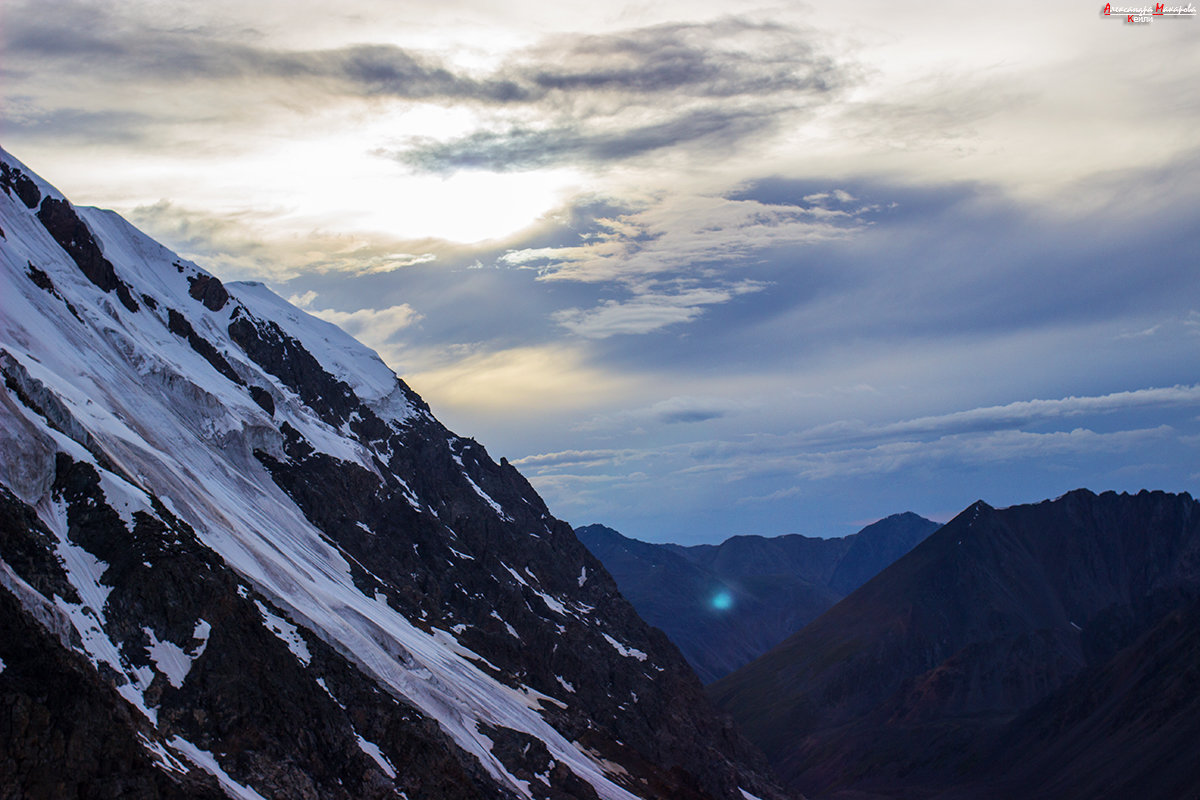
x=1011, y=625
x=724, y=605
x=240, y=558
x=1125, y=728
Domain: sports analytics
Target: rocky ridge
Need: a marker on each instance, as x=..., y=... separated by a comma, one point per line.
x=1003, y=651
x=271, y=572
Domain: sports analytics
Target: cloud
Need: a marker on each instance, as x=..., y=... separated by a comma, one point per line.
x=647, y=312
x=375, y=327
x=517, y=381
x=1027, y=411
x=610, y=89
x=990, y=448
x=973, y=437
x=729, y=469
x=612, y=318
x=721, y=58
x=77, y=125
x=112, y=42
x=957, y=451
x=685, y=233
x=977, y=436
x=704, y=129
x=576, y=458
x=681, y=409
x=686, y=409
x=244, y=243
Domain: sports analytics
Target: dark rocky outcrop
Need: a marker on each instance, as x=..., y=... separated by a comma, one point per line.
x=179, y=325
x=13, y=179
x=209, y=291
x=282, y=356
x=67, y=733
x=73, y=236
x=261, y=396
x=43, y=282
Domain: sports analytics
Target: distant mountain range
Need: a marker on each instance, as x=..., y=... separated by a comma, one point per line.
x=724, y=605
x=1038, y=651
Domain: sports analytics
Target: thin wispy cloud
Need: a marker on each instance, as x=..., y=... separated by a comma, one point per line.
x=1012, y=415
x=701, y=131
x=674, y=234
x=648, y=311
x=723, y=58
x=986, y=436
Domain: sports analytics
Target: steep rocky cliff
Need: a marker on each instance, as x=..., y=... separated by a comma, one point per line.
x=239, y=556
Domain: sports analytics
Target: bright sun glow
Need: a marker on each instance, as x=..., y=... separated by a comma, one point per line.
x=368, y=192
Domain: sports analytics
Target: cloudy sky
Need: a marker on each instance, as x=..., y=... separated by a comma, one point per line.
x=700, y=268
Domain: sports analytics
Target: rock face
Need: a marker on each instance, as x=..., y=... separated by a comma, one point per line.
x=1127, y=727
x=239, y=557
x=724, y=605
x=1024, y=625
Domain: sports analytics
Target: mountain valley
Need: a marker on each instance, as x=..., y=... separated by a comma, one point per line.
x=724, y=605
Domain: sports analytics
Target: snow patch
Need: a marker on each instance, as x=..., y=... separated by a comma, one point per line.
x=488, y=499
x=375, y=753
x=205, y=761
x=623, y=649
x=535, y=699
x=409, y=494
x=87, y=617
x=552, y=603
x=162, y=756
x=84, y=570
x=510, y=628
x=321, y=683
x=287, y=633
x=174, y=661
x=516, y=575
x=124, y=498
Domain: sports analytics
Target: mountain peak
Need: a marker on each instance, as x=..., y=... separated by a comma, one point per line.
x=252, y=537
x=908, y=679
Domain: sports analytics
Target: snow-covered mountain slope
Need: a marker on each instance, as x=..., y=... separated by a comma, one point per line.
x=287, y=576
